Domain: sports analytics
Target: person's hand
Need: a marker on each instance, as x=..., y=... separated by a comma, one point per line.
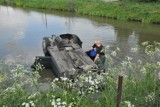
x=97, y=57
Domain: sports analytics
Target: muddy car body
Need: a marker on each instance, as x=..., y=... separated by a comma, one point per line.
x=64, y=56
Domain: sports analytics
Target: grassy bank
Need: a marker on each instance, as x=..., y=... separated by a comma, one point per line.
x=131, y=11
x=140, y=85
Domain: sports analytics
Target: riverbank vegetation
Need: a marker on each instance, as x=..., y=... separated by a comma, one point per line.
x=146, y=12
x=20, y=87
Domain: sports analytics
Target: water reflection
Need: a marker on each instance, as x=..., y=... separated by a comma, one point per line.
x=22, y=30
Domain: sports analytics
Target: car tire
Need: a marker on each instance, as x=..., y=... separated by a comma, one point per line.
x=45, y=44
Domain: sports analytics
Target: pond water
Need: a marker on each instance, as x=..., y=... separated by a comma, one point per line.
x=22, y=30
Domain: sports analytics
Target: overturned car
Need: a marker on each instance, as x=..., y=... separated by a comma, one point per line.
x=64, y=56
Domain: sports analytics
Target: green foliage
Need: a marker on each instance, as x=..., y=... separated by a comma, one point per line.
x=131, y=11
x=145, y=0
x=141, y=79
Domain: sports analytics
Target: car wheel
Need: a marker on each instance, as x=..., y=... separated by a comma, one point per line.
x=45, y=44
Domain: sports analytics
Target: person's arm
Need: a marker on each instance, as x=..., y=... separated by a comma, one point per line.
x=98, y=53
x=94, y=46
x=97, y=56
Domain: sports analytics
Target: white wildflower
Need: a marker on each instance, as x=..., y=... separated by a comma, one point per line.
x=56, y=79
x=27, y=105
x=53, y=96
x=91, y=88
x=150, y=97
x=118, y=49
x=158, y=63
x=64, y=78
x=143, y=70
x=72, y=104
x=90, y=77
x=128, y=103
x=134, y=49
x=107, y=47
x=129, y=58
x=91, y=82
x=32, y=96
x=96, y=81
x=32, y=104
x=113, y=53
x=124, y=63
x=106, y=56
x=80, y=92
x=58, y=99
x=139, y=61
x=64, y=103
x=23, y=103
x=53, y=103
x=145, y=43
x=58, y=103
x=53, y=85
x=10, y=89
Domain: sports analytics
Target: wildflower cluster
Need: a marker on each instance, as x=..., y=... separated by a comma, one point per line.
x=29, y=104
x=85, y=83
x=89, y=88
x=32, y=96
x=57, y=102
x=153, y=51
x=150, y=97
x=128, y=104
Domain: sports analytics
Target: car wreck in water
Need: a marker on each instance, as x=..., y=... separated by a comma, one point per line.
x=64, y=56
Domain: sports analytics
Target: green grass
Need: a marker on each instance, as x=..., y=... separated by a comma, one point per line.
x=131, y=11
x=140, y=85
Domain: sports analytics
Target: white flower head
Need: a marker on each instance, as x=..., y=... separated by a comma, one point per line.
x=145, y=43
x=58, y=103
x=53, y=96
x=159, y=75
x=158, y=63
x=150, y=97
x=23, y=103
x=107, y=47
x=134, y=50
x=139, y=61
x=113, y=53
x=27, y=105
x=58, y=99
x=53, y=103
x=128, y=103
x=143, y=70
x=56, y=79
x=32, y=104
x=64, y=78
x=64, y=103
x=129, y=58
x=118, y=49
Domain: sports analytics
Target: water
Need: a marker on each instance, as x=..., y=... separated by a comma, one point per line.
x=22, y=30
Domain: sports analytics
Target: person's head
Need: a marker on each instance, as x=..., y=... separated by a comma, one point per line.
x=98, y=43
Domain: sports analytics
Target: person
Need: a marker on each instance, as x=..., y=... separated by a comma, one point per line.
x=96, y=52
